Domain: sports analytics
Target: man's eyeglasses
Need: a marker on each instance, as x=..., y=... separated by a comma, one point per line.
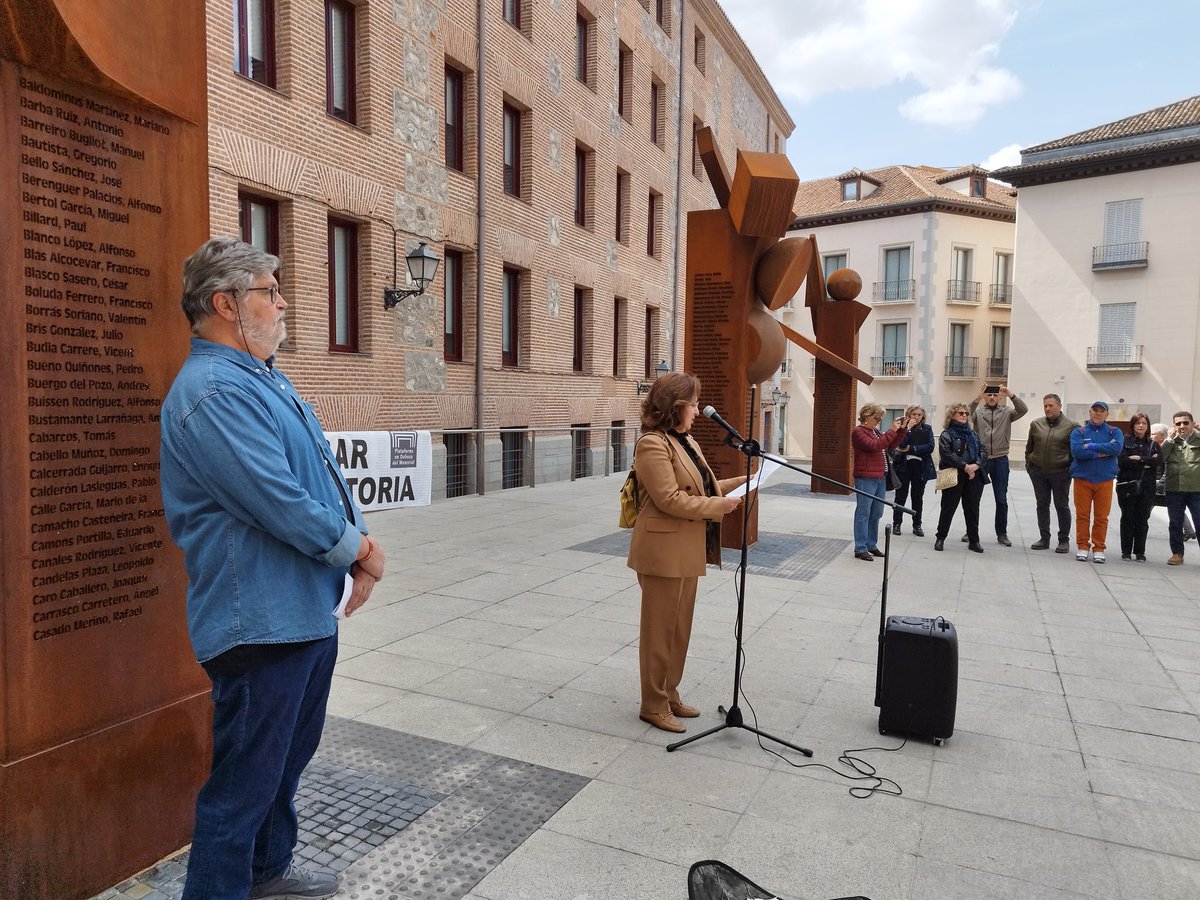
x=1183, y=422
x=273, y=290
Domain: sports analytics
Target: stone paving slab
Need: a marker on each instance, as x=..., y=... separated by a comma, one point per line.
x=500, y=672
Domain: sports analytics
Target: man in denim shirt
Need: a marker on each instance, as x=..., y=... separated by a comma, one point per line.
x=254, y=498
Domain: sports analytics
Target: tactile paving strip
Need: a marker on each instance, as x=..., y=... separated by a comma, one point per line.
x=790, y=556
x=401, y=816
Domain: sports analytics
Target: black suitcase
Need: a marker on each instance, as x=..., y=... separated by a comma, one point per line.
x=916, y=681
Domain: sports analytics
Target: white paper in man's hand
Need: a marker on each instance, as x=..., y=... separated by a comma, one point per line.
x=340, y=612
x=759, y=478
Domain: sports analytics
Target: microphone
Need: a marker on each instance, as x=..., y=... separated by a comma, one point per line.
x=711, y=413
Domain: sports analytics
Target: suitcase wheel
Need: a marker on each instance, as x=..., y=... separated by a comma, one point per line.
x=882, y=730
x=937, y=742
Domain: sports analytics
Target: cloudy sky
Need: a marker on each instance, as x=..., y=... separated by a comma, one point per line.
x=872, y=83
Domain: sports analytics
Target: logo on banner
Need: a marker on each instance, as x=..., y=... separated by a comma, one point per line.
x=404, y=449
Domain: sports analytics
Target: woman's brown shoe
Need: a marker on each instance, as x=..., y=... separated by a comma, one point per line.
x=665, y=721
x=684, y=711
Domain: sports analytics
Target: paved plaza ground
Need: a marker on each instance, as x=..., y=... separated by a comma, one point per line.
x=488, y=695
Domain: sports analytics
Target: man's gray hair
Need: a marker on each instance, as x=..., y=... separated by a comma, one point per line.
x=1158, y=428
x=221, y=264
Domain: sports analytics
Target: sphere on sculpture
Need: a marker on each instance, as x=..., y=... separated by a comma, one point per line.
x=843, y=284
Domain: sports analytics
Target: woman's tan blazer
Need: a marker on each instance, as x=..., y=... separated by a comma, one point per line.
x=668, y=539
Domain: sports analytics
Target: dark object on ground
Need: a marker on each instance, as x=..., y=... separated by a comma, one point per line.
x=711, y=879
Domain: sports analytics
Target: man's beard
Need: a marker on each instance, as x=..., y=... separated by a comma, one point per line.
x=262, y=336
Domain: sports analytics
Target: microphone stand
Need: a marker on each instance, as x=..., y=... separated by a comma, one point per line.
x=733, y=716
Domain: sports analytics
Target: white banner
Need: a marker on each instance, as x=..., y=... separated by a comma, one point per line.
x=385, y=469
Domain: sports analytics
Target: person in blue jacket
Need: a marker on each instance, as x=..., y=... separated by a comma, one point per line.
x=1095, y=450
x=913, y=463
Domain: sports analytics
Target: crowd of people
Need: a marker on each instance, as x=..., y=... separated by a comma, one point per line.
x=1087, y=464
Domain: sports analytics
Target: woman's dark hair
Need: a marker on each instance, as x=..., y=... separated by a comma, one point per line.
x=668, y=396
x=1139, y=417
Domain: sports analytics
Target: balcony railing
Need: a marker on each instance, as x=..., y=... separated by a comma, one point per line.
x=963, y=291
x=962, y=366
x=892, y=366
x=904, y=291
x=1001, y=295
x=997, y=367
x=1115, y=356
x=1121, y=256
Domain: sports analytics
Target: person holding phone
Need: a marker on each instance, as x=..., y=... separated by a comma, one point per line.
x=871, y=447
x=992, y=421
x=913, y=462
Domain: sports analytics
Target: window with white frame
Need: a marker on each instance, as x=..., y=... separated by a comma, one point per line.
x=833, y=262
x=897, y=273
x=958, y=364
x=998, y=352
x=1122, y=234
x=1117, y=329
x=893, y=338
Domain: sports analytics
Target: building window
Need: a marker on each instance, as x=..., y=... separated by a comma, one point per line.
x=832, y=262
x=1117, y=329
x=583, y=31
x=512, y=454
x=648, y=348
x=961, y=287
x=958, y=363
x=619, y=304
x=512, y=13
x=254, y=47
x=617, y=442
x=510, y=325
x=258, y=222
x=978, y=186
x=578, y=331
x=998, y=353
x=343, y=285
x=624, y=81
x=1123, y=247
x=697, y=162
x=660, y=15
x=512, y=150
x=458, y=463
x=894, y=340
x=580, y=433
x=455, y=122
x=699, y=54
x=1002, y=279
x=656, y=108
x=339, y=60
x=653, y=223
x=583, y=160
x=850, y=190
x=897, y=274
x=452, y=271
x=621, y=228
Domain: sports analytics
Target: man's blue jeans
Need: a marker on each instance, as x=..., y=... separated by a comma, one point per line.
x=867, y=513
x=266, y=727
x=997, y=471
x=1177, y=502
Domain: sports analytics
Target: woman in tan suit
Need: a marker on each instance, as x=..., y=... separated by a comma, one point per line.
x=677, y=531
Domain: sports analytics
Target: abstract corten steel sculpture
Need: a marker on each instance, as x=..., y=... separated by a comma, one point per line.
x=104, y=714
x=738, y=272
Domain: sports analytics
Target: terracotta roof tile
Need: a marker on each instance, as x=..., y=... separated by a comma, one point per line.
x=898, y=185
x=1164, y=118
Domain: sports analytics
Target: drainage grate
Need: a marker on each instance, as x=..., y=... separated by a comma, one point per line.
x=795, y=557
x=401, y=816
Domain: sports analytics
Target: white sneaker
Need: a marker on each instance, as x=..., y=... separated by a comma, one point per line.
x=1081, y=555
x=1097, y=557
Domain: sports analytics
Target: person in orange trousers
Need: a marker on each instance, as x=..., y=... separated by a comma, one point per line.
x=676, y=533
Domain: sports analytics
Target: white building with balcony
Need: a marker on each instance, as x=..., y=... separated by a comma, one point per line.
x=1106, y=299
x=934, y=248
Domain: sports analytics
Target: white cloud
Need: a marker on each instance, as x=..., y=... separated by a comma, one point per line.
x=946, y=47
x=1005, y=156
x=963, y=102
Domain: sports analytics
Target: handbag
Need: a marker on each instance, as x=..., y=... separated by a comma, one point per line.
x=1127, y=490
x=946, y=479
x=893, y=480
x=631, y=500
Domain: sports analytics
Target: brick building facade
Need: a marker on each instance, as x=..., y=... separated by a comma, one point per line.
x=340, y=131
